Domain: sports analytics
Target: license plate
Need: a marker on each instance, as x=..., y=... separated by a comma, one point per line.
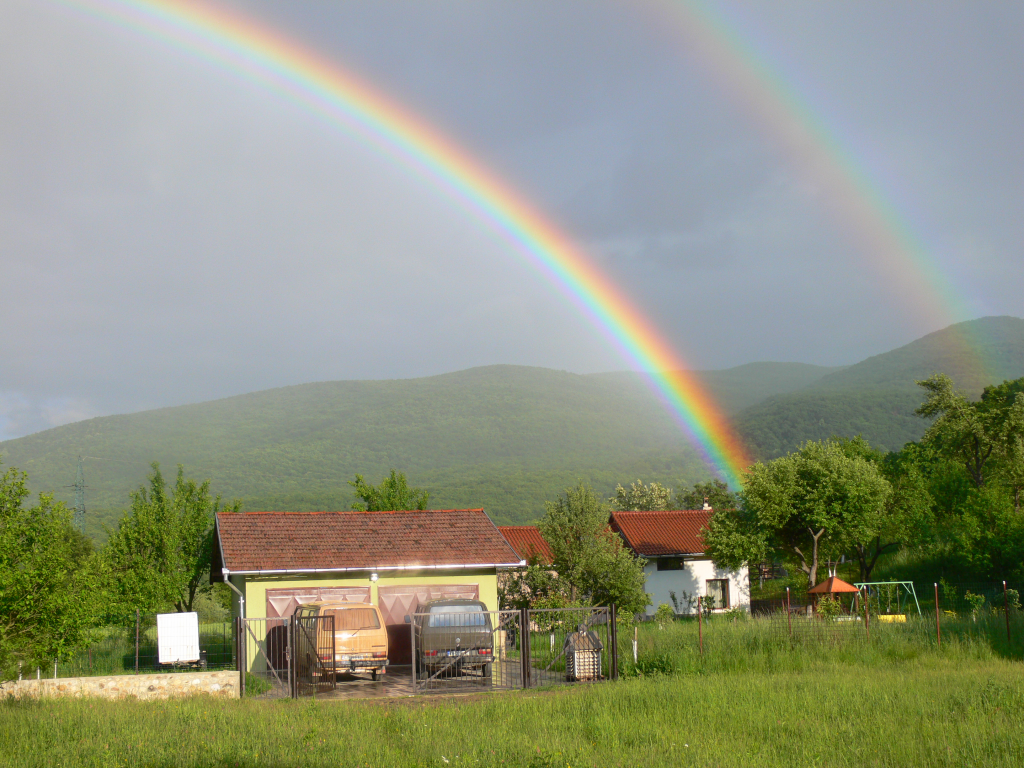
x=456, y=653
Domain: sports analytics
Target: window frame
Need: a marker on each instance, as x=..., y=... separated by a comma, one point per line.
x=725, y=591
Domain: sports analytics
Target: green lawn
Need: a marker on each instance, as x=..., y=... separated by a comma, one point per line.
x=961, y=706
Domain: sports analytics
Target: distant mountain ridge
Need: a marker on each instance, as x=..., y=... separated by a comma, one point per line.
x=506, y=438
x=877, y=397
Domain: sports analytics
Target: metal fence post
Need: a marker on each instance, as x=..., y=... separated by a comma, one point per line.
x=615, y=645
x=789, y=614
x=938, y=632
x=292, y=635
x=867, y=613
x=524, y=646
x=136, y=641
x=240, y=654
x=412, y=645
x=700, y=626
x=1006, y=610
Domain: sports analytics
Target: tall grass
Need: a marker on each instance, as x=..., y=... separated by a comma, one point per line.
x=770, y=646
x=827, y=696
x=912, y=714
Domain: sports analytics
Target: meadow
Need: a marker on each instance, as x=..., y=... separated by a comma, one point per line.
x=754, y=697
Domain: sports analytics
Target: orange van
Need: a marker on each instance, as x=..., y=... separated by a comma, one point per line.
x=360, y=639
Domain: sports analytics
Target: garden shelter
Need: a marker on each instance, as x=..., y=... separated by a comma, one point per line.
x=832, y=586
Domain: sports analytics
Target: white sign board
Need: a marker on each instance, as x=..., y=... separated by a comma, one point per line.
x=178, y=637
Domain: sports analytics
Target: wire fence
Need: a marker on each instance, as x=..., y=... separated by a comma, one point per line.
x=135, y=650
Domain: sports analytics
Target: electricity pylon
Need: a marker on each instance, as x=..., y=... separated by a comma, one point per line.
x=79, y=487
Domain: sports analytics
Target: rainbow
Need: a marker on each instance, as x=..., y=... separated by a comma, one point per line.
x=264, y=57
x=900, y=256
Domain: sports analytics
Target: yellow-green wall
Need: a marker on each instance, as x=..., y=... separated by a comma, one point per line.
x=256, y=586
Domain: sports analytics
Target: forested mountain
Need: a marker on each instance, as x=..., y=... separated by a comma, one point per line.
x=506, y=438
x=877, y=398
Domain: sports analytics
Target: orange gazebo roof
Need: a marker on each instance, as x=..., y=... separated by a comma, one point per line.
x=831, y=586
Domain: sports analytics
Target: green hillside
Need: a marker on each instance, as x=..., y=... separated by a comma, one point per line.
x=505, y=438
x=877, y=397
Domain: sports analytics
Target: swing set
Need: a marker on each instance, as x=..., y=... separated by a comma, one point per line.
x=888, y=594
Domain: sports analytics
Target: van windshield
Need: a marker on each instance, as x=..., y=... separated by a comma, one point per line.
x=457, y=616
x=354, y=618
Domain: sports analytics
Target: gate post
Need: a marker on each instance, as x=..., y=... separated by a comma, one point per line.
x=615, y=646
x=412, y=645
x=293, y=681
x=524, y=646
x=240, y=655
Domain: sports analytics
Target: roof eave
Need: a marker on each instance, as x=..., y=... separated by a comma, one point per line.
x=372, y=569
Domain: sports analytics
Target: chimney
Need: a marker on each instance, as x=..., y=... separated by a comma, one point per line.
x=707, y=507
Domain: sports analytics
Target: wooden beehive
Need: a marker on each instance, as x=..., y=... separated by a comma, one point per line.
x=583, y=655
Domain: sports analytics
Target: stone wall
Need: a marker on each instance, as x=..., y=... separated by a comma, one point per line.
x=162, y=686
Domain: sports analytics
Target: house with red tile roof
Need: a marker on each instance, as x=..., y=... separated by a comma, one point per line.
x=276, y=561
x=672, y=542
x=528, y=543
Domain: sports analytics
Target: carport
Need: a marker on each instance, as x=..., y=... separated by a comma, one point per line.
x=276, y=561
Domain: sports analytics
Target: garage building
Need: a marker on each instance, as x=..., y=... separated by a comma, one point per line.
x=276, y=561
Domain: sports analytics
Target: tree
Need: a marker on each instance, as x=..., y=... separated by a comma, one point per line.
x=715, y=493
x=642, y=498
x=49, y=582
x=589, y=557
x=964, y=430
x=524, y=587
x=159, y=555
x=815, y=503
x=906, y=517
x=391, y=495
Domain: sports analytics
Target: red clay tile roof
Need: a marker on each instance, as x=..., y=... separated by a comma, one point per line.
x=297, y=541
x=527, y=541
x=652, y=534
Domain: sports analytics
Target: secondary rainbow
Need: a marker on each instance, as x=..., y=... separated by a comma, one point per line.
x=263, y=56
x=897, y=251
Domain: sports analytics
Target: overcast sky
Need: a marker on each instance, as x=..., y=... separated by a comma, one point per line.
x=170, y=233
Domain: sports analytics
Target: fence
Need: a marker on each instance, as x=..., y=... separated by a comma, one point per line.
x=133, y=650
x=880, y=610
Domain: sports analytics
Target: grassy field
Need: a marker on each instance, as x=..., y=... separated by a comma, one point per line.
x=928, y=712
x=753, y=698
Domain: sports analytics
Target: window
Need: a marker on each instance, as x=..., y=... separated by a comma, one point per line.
x=457, y=616
x=719, y=590
x=671, y=564
x=354, y=618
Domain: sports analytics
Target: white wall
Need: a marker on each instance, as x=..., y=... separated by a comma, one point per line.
x=693, y=579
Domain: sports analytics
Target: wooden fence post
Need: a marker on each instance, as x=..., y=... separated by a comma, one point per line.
x=615, y=645
x=1006, y=610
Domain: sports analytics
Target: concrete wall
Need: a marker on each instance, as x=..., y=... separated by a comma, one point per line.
x=693, y=579
x=160, y=686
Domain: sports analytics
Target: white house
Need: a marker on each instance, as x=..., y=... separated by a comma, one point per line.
x=673, y=545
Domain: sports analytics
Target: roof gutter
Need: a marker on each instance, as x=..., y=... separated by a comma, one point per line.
x=364, y=568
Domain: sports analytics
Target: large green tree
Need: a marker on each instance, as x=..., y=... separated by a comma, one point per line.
x=159, y=554
x=391, y=495
x=590, y=559
x=813, y=504
x=905, y=520
x=49, y=581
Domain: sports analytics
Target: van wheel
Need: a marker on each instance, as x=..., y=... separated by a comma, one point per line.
x=486, y=673
x=373, y=675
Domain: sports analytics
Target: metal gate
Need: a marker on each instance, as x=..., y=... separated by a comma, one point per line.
x=482, y=650
x=264, y=657
x=313, y=655
x=286, y=657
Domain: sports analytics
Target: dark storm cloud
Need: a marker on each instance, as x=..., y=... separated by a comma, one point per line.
x=172, y=233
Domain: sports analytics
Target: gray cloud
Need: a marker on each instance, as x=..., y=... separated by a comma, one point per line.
x=172, y=233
